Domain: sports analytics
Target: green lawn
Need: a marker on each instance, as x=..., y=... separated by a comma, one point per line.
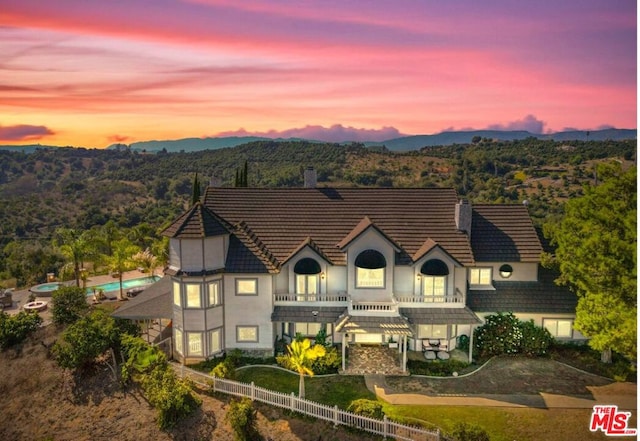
x=334, y=390
x=502, y=424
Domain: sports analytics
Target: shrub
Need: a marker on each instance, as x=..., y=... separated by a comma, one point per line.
x=536, y=340
x=444, y=368
x=501, y=334
x=329, y=363
x=368, y=408
x=170, y=395
x=69, y=304
x=469, y=432
x=241, y=416
x=14, y=329
x=224, y=369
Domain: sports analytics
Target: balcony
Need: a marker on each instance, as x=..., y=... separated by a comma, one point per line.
x=456, y=297
x=339, y=297
x=373, y=308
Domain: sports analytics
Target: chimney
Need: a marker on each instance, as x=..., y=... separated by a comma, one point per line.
x=463, y=216
x=310, y=178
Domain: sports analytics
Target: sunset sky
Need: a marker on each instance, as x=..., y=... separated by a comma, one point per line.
x=92, y=73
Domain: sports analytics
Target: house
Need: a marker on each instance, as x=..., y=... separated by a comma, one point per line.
x=251, y=266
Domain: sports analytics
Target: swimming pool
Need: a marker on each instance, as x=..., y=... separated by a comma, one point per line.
x=45, y=289
x=126, y=284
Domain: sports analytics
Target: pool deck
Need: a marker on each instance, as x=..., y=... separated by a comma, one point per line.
x=20, y=296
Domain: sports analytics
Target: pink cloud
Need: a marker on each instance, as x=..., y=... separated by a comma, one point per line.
x=24, y=132
x=529, y=123
x=335, y=133
x=118, y=138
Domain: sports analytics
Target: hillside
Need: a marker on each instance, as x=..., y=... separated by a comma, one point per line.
x=40, y=401
x=82, y=188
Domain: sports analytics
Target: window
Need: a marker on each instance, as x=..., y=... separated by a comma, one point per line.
x=559, y=328
x=215, y=341
x=177, y=335
x=247, y=334
x=432, y=331
x=434, y=286
x=247, y=287
x=434, y=279
x=506, y=271
x=195, y=343
x=215, y=297
x=176, y=294
x=307, y=272
x=480, y=276
x=308, y=329
x=193, y=295
x=370, y=269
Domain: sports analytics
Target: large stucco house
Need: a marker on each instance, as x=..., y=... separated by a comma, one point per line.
x=250, y=266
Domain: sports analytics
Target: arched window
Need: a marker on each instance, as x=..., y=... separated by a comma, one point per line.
x=307, y=272
x=370, y=269
x=434, y=274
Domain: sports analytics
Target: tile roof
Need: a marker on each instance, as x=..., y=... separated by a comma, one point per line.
x=308, y=242
x=152, y=303
x=543, y=296
x=440, y=316
x=504, y=233
x=302, y=314
x=247, y=254
x=198, y=221
x=283, y=218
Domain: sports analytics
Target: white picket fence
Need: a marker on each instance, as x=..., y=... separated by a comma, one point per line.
x=384, y=427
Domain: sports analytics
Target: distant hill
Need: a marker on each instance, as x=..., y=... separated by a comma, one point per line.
x=405, y=143
x=417, y=142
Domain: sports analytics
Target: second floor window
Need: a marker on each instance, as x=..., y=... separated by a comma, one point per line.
x=307, y=273
x=434, y=278
x=370, y=269
x=480, y=276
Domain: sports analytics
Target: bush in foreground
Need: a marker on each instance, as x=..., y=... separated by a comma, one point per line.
x=241, y=416
x=368, y=408
x=14, y=329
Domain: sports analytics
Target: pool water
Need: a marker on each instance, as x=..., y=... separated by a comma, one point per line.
x=126, y=284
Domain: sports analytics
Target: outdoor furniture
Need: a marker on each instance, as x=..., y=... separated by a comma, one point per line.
x=442, y=355
x=6, y=299
x=430, y=355
x=430, y=345
x=134, y=292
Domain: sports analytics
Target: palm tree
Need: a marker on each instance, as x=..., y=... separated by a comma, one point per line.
x=146, y=260
x=75, y=245
x=122, y=259
x=301, y=357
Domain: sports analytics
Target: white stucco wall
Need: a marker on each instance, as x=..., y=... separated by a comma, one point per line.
x=522, y=272
x=249, y=310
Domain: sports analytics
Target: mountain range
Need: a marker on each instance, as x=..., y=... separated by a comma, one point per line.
x=405, y=143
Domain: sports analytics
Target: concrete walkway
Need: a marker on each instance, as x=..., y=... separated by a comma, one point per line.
x=621, y=394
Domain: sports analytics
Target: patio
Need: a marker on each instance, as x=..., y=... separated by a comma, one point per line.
x=373, y=359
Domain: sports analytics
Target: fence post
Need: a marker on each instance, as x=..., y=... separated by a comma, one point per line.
x=385, y=430
x=214, y=383
x=292, y=406
x=253, y=391
x=335, y=415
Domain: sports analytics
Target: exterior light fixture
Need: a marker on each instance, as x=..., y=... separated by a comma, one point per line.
x=506, y=271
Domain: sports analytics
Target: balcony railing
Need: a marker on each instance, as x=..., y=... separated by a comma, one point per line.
x=456, y=297
x=340, y=296
x=364, y=307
